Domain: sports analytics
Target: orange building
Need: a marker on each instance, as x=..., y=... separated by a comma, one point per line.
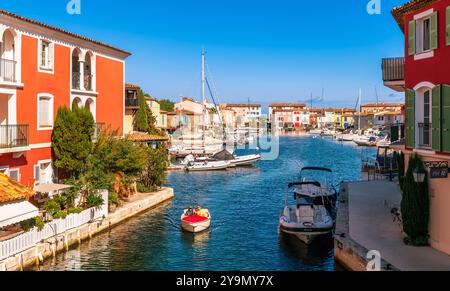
x=43, y=68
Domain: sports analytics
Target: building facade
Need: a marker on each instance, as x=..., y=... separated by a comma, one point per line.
x=426, y=26
x=42, y=69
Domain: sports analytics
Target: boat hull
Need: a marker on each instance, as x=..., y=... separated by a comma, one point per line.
x=306, y=235
x=245, y=161
x=196, y=227
x=209, y=167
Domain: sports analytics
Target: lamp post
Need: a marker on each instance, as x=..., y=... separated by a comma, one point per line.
x=419, y=175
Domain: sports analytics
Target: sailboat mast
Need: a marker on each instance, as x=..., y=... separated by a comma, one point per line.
x=203, y=97
x=360, y=101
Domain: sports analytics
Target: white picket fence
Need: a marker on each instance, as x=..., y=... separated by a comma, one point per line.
x=56, y=227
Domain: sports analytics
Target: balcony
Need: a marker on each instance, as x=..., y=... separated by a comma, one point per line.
x=76, y=78
x=88, y=82
x=132, y=103
x=8, y=70
x=394, y=73
x=13, y=138
x=424, y=136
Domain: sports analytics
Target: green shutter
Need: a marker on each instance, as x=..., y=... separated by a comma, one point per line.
x=446, y=118
x=436, y=119
x=434, y=41
x=447, y=26
x=412, y=38
x=410, y=118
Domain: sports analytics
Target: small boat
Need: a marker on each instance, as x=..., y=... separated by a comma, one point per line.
x=202, y=166
x=196, y=221
x=316, y=132
x=307, y=219
x=235, y=161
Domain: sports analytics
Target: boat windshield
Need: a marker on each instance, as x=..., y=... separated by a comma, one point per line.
x=321, y=175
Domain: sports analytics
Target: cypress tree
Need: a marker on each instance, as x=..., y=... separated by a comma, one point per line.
x=72, y=139
x=415, y=206
x=141, y=122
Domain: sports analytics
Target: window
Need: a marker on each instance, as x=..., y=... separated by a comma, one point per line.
x=426, y=35
x=423, y=34
x=45, y=112
x=426, y=107
x=15, y=175
x=45, y=55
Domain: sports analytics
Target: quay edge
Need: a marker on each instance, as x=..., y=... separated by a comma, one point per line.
x=52, y=246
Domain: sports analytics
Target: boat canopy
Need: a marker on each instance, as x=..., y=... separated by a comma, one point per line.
x=313, y=183
x=317, y=169
x=224, y=155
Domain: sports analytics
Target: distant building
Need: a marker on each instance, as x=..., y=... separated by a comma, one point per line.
x=245, y=114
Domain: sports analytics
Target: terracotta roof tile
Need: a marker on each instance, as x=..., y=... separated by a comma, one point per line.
x=145, y=137
x=11, y=190
x=409, y=7
x=21, y=18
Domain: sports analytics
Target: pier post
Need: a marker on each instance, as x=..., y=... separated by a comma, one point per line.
x=66, y=243
x=79, y=236
x=2, y=267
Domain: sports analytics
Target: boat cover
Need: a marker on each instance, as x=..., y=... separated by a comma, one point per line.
x=195, y=218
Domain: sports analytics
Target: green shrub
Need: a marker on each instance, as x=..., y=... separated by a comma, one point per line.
x=401, y=168
x=28, y=225
x=60, y=215
x=113, y=198
x=94, y=201
x=74, y=210
x=52, y=207
x=415, y=206
x=156, y=172
x=39, y=223
x=61, y=200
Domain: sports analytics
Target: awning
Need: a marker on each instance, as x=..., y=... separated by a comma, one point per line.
x=51, y=188
x=15, y=212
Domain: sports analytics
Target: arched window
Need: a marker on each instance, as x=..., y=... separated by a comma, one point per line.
x=88, y=76
x=77, y=103
x=90, y=105
x=76, y=73
x=8, y=57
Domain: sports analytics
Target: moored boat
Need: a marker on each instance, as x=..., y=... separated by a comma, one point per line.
x=196, y=221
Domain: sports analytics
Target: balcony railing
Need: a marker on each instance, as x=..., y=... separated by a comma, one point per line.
x=393, y=69
x=8, y=70
x=13, y=136
x=131, y=102
x=76, y=78
x=88, y=82
x=425, y=135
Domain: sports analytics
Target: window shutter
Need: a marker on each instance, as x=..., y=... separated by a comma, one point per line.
x=412, y=38
x=434, y=41
x=44, y=112
x=447, y=25
x=410, y=118
x=49, y=55
x=37, y=174
x=436, y=118
x=445, y=118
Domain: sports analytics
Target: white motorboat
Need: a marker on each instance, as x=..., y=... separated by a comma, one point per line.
x=315, y=132
x=366, y=141
x=202, y=166
x=306, y=218
x=326, y=189
x=245, y=160
x=196, y=221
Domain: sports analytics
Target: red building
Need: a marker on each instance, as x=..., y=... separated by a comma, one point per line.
x=423, y=74
x=41, y=69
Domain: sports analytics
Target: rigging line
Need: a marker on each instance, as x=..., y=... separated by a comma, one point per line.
x=212, y=81
x=213, y=99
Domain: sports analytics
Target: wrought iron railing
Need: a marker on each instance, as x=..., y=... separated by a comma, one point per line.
x=76, y=78
x=8, y=70
x=425, y=135
x=131, y=102
x=13, y=136
x=88, y=82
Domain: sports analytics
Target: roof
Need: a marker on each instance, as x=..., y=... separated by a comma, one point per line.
x=274, y=105
x=11, y=190
x=177, y=112
x=383, y=105
x=21, y=18
x=242, y=105
x=131, y=86
x=145, y=137
x=150, y=98
x=188, y=99
x=388, y=113
x=399, y=12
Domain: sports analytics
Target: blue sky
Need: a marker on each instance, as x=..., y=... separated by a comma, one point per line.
x=265, y=51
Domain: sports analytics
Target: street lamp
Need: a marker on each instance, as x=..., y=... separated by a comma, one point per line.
x=419, y=174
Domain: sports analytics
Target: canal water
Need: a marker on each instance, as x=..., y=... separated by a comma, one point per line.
x=245, y=204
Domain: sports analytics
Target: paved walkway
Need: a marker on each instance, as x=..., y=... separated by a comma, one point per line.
x=371, y=225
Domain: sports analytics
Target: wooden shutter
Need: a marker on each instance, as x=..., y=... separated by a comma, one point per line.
x=436, y=118
x=412, y=38
x=447, y=26
x=410, y=118
x=445, y=118
x=434, y=39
